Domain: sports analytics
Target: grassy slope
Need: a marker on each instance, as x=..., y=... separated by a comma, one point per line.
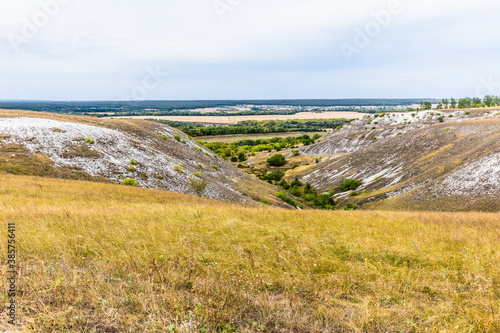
x=107, y=258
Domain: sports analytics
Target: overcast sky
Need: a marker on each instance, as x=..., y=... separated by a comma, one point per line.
x=247, y=49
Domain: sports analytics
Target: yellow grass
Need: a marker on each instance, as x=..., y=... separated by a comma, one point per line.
x=236, y=119
x=434, y=153
x=107, y=258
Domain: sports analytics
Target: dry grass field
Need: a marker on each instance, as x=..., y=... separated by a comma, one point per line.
x=98, y=257
x=236, y=119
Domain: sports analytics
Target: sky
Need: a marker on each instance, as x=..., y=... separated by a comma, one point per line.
x=248, y=49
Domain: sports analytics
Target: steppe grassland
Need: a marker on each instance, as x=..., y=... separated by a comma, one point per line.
x=109, y=258
x=236, y=119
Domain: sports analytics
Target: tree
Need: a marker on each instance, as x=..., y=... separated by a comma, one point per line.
x=453, y=103
x=476, y=102
x=489, y=100
x=276, y=160
x=466, y=102
x=425, y=105
x=445, y=102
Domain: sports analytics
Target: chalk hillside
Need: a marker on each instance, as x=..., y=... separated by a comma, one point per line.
x=146, y=154
x=427, y=160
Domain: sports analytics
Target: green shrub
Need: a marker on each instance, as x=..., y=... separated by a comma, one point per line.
x=164, y=137
x=133, y=162
x=242, y=157
x=286, y=199
x=276, y=160
x=324, y=200
x=275, y=175
x=295, y=191
x=265, y=202
x=197, y=174
x=89, y=140
x=177, y=137
x=350, y=184
x=441, y=119
x=198, y=185
x=284, y=184
x=179, y=168
x=310, y=197
x=130, y=182
x=234, y=159
x=215, y=167
x=350, y=206
x=308, y=189
x=295, y=152
x=131, y=168
x=296, y=183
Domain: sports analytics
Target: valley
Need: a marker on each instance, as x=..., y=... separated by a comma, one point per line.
x=343, y=232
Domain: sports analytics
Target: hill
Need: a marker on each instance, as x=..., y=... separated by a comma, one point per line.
x=143, y=153
x=97, y=257
x=427, y=160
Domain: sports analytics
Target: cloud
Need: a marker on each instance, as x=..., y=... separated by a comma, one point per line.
x=260, y=49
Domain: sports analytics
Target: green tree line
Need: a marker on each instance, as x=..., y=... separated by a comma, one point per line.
x=256, y=127
x=463, y=103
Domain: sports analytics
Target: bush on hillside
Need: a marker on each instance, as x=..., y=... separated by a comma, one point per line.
x=276, y=160
x=286, y=199
x=275, y=175
x=295, y=191
x=350, y=206
x=130, y=182
x=324, y=201
x=350, y=185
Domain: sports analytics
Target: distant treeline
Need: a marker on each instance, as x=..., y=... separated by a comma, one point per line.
x=140, y=108
x=469, y=102
x=255, y=127
x=198, y=114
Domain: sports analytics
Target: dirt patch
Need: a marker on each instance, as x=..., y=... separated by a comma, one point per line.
x=80, y=151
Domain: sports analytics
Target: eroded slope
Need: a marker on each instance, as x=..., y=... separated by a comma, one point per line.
x=429, y=165
x=154, y=155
